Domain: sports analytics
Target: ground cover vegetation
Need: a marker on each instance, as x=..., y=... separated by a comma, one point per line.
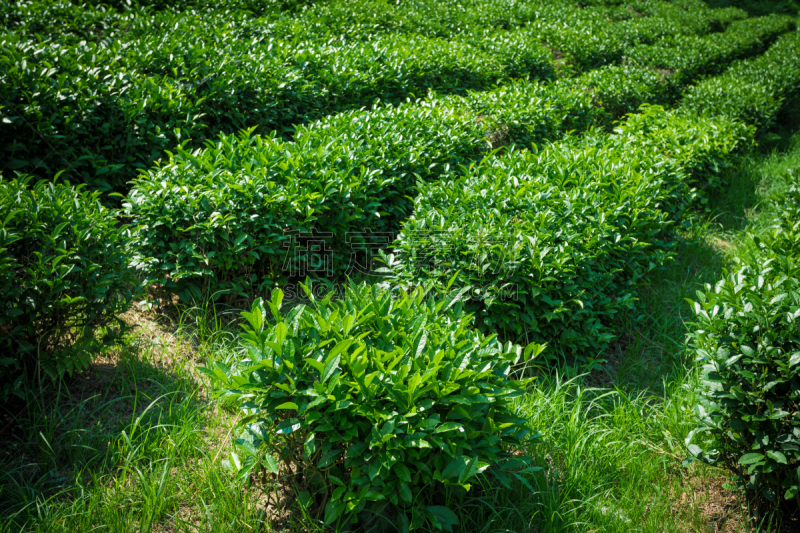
x=580, y=312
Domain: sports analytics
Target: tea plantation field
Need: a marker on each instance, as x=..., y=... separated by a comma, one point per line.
x=394, y=265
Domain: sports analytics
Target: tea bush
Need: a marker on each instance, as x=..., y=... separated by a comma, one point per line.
x=191, y=213
x=380, y=398
x=225, y=220
x=65, y=21
x=416, y=141
x=550, y=245
x=747, y=338
x=72, y=108
x=64, y=274
x=753, y=90
x=538, y=241
x=121, y=87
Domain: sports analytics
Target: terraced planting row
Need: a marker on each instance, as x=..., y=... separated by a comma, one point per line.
x=102, y=104
x=369, y=161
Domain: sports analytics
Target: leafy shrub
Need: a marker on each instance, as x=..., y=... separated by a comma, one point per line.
x=65, y=274
x=520, y=51
x=72, y=108
x=369, y=399
x=550, y=246
x=65, y=21
x=415, y=141
x=753, y=90
x=746, y=337
x=224, y=220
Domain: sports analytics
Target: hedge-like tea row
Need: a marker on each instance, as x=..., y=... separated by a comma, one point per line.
x=694, y=55
x=550, y=245
x=144, y=82
x=593, y=45
x=203, y=216
x=395, y=145
x=753, y=90
x=656, y=73
x=549, y=18
x=102, y=111
x=527, y=113
x=225, y=218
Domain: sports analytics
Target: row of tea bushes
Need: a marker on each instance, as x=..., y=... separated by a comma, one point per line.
x=592, y=45
x=746, y=326
x=657, y=73
x=695, y=55
x=550, y=244
x=526, y=114
x=226, y=218
x=185, y=236
x=753, y=90
x=101, y=112
x=202, y=216
x=548, y=18
x=475, y=205
x=146, y=82
x=64, y=21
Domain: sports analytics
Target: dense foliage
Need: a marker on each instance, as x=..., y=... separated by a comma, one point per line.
x=746, y=336
x=101, y=92
x=550, y=245
x=236, y=217
x=367, y=400
x=747, y=341
x=657, y=73
x=509, y=158
x=753, y=90
x=64, y=274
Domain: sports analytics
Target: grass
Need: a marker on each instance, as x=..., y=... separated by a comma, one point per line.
x=131, y=445
x=135, y=444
